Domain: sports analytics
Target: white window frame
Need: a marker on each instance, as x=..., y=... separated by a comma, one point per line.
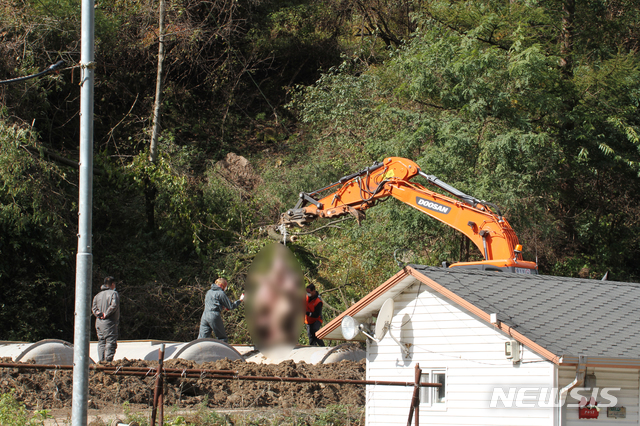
x=428, y=395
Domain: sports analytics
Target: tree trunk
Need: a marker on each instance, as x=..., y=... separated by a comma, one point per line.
x=566, y=41
x=150, y=192
x=153, y=149
x=150, y=189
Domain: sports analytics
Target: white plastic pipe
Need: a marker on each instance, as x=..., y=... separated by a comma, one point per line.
x=581, y=370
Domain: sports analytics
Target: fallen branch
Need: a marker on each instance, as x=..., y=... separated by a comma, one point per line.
x=58, y=158
x=324, y=302
x=335, y=288
x=328, y=225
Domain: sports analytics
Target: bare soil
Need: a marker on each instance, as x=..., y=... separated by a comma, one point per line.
x=237, y=170
x=52, y=389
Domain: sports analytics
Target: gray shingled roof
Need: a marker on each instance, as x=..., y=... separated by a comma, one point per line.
x=567, y=316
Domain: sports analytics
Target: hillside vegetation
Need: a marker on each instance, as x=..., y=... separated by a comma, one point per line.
x=529, y=104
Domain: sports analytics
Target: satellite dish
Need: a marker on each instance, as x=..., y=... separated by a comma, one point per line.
x=384, y=319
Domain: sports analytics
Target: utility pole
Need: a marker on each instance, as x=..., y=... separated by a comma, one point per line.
x=84, y=260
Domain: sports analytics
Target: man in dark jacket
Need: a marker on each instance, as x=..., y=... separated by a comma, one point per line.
x=313, y=316
x=106, y=308
x=214, y=302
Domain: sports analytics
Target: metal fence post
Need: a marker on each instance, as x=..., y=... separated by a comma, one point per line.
x=415, y=399
x=84, y=265
x=158, y=397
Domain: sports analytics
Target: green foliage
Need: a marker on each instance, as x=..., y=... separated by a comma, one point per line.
x=483, y=94
x=13, y=413
x=333, y=415
x=132, y=416
x=337, y=415
x=35, y=240
x=479, y=98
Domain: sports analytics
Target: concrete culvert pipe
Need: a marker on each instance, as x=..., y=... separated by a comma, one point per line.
x=140, y=349
x=327, y=355
x=207, y=350
x=118, y=422
x=308, y=354
x=344, y=352
x=12, y=349
x=48, y=351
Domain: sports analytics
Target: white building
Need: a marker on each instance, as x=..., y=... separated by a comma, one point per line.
x=564, y=331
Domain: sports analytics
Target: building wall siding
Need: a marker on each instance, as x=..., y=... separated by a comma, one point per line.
x=442, y=335
x=628, y=395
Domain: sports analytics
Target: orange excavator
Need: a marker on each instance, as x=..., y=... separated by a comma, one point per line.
x=479, y=220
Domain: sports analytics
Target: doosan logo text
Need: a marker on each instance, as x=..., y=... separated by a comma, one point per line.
x=433, y=206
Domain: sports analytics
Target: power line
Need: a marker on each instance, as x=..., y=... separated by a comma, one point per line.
x=52, y=68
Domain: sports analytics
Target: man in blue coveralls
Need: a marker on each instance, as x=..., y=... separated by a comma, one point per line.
x=214, y=302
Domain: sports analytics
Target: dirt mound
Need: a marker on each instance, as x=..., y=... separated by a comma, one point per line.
x=237, y=169
x=53, y=389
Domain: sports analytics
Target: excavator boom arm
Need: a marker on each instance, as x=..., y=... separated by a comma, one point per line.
x=482, y=222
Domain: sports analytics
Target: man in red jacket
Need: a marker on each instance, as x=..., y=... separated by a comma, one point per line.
x=313, y=316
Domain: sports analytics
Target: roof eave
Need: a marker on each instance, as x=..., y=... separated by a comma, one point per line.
x=443, y=291
x=484, y=316
x=565, y=360
x=362, y=304
x=601, y=362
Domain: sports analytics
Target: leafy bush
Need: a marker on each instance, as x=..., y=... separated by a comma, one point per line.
x=482, y=97
x=13, y=413
x=36, y=243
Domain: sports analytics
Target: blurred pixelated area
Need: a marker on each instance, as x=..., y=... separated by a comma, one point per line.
x=274, y=304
